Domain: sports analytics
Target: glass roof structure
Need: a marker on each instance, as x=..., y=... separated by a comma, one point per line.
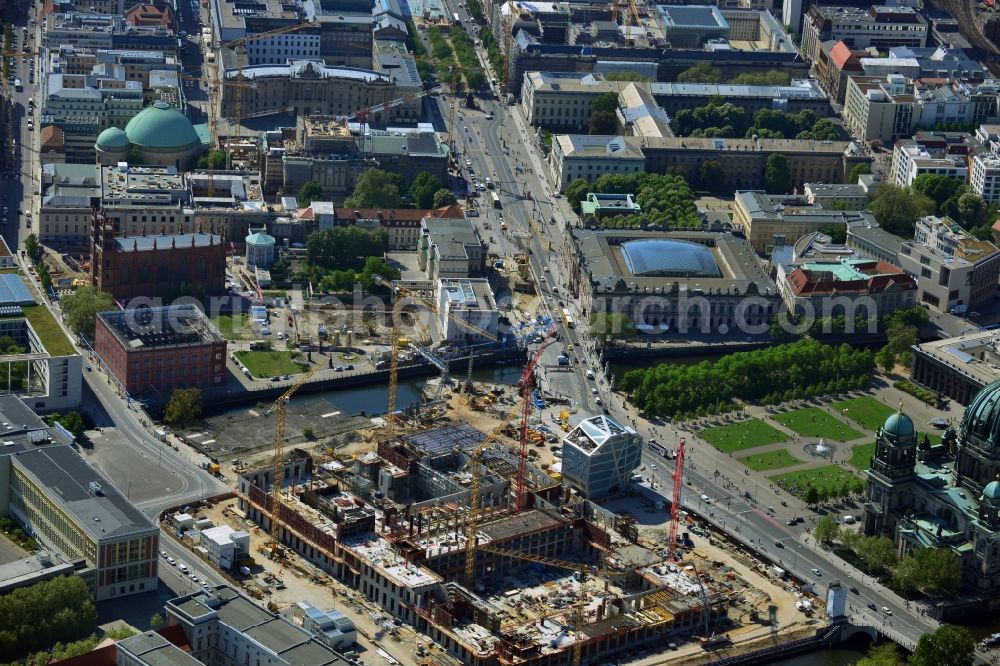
x=665, y=257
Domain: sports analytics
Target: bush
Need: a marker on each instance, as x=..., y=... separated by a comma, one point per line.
x=917, y=392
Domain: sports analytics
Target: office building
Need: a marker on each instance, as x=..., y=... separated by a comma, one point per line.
x=860, y=27
x=867, y=237
x=311, y=87
x=145, y=200
x=563, y=99
x=69, y=194
x=945, y=497
x=599, y=457
x=835, y=63
x=404, y=225
x=842, y=195
x=220, y=623
x=847, y=287
x=771, y=220
x=671, y=281
x=690, y=26
x=955, y=272
x=958, y=367
x=472, y=301
x=892, y=107
x=91, y=30
x=59, y=499
x=227, y=548
x=912, y=157
x=157, y=350
x=930, y=62
x=589, y=157
x=450, y=248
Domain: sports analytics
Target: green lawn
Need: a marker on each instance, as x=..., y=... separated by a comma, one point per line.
x=814, y=422
x=264, y=364
x=743, y=435
x=234, y=327
x=865, y=411
x=828, y=476
x=48, y=330
x=861, y=455
x=763, y=462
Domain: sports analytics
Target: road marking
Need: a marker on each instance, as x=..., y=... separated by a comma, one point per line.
x=209, y=441
x=197, y=435
x=326, y=416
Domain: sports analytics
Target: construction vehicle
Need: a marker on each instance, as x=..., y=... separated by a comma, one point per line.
x=279, y=461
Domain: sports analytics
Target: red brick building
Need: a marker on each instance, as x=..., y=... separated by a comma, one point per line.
x=163, y=265
x=157, y=350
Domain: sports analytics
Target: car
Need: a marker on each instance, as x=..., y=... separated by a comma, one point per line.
x=285, y=377
x=163, y=554
x=183, y=567
x=276, y=378
x=854, y=590
x=205, y=585
x=654, y=467
x=349, y=367
x=706, y=499
x=975, y=314
x=799, y=519
x=171, y=561
x=546, y=269
x=778, y=544
x=489, y=116
x=465, y=129
x=886, y=610
x=790, y=522
x=593, y=390
x=871, y=605
x=816, y=571
x=598, y=401
x=194, y=578
x=339, y=368
x=590, y=374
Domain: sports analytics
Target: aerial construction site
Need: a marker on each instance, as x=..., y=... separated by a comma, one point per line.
x=490, y=528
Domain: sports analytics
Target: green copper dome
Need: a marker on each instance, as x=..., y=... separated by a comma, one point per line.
x=899, y=424
x=112, y=139
x=982, y=416
x=161, y=126
x=992, y=490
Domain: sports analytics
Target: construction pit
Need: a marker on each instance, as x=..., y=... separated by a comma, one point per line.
x=383, y=530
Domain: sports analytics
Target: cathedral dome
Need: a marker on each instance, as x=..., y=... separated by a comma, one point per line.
x=982, y=416
x=992, y=490
x=899, y=424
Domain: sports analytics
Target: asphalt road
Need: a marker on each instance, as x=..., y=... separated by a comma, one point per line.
x=505, y=149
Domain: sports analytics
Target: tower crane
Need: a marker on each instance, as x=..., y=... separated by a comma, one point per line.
x=239, y=45
x=675, y=501
x=399, y=293
x=277, y=476
x=472, y=524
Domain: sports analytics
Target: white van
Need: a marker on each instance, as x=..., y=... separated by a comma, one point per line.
x=848, y=520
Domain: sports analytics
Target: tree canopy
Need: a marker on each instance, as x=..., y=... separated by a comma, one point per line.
x=859, y=169
x=777, y=175
x=35, y=617
x=720, y=118
x=72, y=421
x=882, y=654
x=216, y=159
x=665, y=199
x=443, y=197
x=897, y=209
x=827, y=531
x=310, y=191
x=81, y=307
x=376, y=188
x=184, y=407
x=701, y=73
x=611, y=326
x=423, y=189
x=933, y=571
x=602, y=122
x=803, y=367
x=345, y=247
x=948, y=645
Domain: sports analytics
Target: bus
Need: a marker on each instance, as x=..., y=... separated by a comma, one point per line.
x=496, y=199
x=458, y=20
x=567, y=318
x=658, y=449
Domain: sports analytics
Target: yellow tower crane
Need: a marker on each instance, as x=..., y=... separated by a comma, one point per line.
x=277, y=476
x=399, y=294
x=239, y=45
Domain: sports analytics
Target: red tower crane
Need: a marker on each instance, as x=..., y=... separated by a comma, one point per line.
x=675, y=504
x=527, y=382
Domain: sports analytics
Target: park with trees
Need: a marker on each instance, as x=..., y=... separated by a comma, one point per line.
x=666, y=199
x=723, y=119
x=798, y=369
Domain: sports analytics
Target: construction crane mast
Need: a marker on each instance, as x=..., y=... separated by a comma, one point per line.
x=472, y=523
x=399, y=293
x=240, y=47
x=527, y=384
x=277, y=476
x=675, y=503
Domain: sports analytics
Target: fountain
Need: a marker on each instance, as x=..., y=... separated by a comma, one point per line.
x=820, y=449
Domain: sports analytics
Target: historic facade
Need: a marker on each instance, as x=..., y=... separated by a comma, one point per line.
x=944, y=496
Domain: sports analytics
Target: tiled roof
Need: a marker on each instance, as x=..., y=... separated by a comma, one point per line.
x=842, y=55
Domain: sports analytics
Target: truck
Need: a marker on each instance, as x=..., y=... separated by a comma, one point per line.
x=778, y=573
x=17, y=85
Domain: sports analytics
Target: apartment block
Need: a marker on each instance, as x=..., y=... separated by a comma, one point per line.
x=910, y=158
x=590, y=157
x=860, y=27
x=892, y=107
x=562, y=99
x=472, y=301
